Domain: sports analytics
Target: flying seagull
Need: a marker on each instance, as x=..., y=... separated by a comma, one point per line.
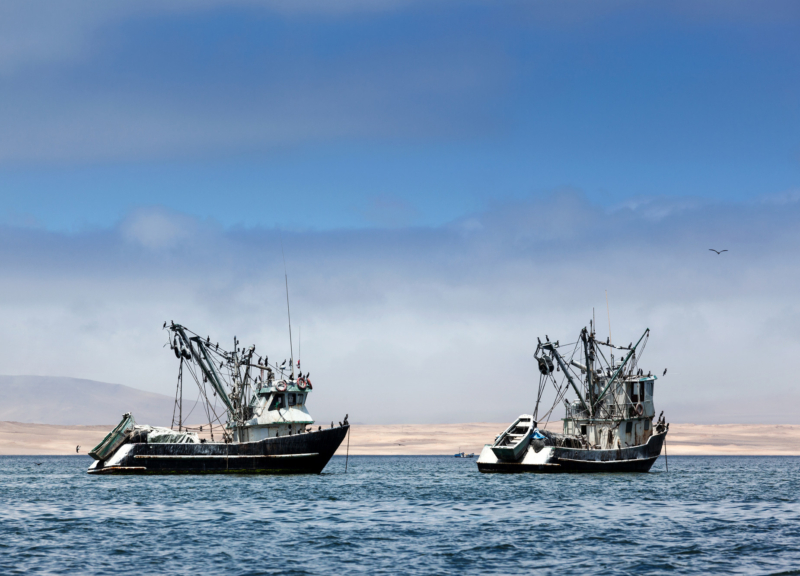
x=665, y=372
x=77, y=448
x=717, y=251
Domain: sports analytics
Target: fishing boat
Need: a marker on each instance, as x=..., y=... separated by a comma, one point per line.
x=461, y=454
x=610, y=425
x=263, y=424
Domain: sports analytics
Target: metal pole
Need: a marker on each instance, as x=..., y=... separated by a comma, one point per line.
x=180, y=404
x=560, y=361
x=624, y=362
x=288, y=311
x=347, y=457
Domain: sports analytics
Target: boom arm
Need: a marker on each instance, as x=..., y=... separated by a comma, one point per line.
x=621, y=366
x=207, y=366
x=560, y=361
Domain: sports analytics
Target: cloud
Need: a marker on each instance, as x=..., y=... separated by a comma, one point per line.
x=157, y=228
x=425, y=324
x=143, y=81
x=38, y=32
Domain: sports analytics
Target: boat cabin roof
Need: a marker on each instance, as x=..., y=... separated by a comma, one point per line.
x=291, y=386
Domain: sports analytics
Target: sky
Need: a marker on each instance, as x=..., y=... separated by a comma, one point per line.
x=448, y=181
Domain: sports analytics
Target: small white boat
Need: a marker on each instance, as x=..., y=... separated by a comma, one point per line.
x=511, y=444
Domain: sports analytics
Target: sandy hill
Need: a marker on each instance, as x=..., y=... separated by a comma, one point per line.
x=73, y=401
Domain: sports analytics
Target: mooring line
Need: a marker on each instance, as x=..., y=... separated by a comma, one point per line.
x=347, y=457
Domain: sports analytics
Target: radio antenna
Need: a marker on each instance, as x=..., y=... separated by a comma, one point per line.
x=288, y=310
x=608, y=310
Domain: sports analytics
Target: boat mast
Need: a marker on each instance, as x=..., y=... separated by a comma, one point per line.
x=288, y=310
x=587, y=344
x=621, y=367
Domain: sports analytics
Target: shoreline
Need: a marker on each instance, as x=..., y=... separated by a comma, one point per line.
x=23, y=439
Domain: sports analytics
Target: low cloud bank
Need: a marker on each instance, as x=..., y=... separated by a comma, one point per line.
x=428, y=324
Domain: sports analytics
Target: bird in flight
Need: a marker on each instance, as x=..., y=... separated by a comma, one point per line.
x=77, y=448
x=717, y=251
x=665, y=372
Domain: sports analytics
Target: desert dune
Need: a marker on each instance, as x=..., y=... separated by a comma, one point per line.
x=434, y=439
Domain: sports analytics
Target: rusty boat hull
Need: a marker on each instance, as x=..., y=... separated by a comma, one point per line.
x=552, y=459
x=306, y=453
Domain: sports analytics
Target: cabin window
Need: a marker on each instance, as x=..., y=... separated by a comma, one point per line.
x=647, y=424
x=583, y=429
x=648, y=388
x=632, y=392
x=277, y=402
x=628, y=427
x=292, y=398
x=300, y=399
x=641, y=391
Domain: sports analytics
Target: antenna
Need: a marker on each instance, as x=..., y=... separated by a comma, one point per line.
x=288, y=310
x=609, y=317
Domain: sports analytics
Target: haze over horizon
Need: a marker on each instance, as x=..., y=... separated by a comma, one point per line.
x=448, y=180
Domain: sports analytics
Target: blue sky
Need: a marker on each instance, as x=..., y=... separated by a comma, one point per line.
x=390, y=113
x=450, y=181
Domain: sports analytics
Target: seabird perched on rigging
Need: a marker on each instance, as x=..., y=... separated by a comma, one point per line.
x=717, y=251
x=165, y=324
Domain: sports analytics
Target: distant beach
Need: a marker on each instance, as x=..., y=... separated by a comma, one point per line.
x=435, y=439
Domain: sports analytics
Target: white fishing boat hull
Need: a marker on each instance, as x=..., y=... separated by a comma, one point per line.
x=559, y=459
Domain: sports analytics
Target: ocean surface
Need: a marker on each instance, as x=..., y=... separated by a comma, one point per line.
x=403, y=515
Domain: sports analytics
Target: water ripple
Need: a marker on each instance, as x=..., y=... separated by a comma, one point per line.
x=410, y=515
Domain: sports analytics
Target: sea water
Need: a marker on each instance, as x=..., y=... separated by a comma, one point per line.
x=403, y=515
